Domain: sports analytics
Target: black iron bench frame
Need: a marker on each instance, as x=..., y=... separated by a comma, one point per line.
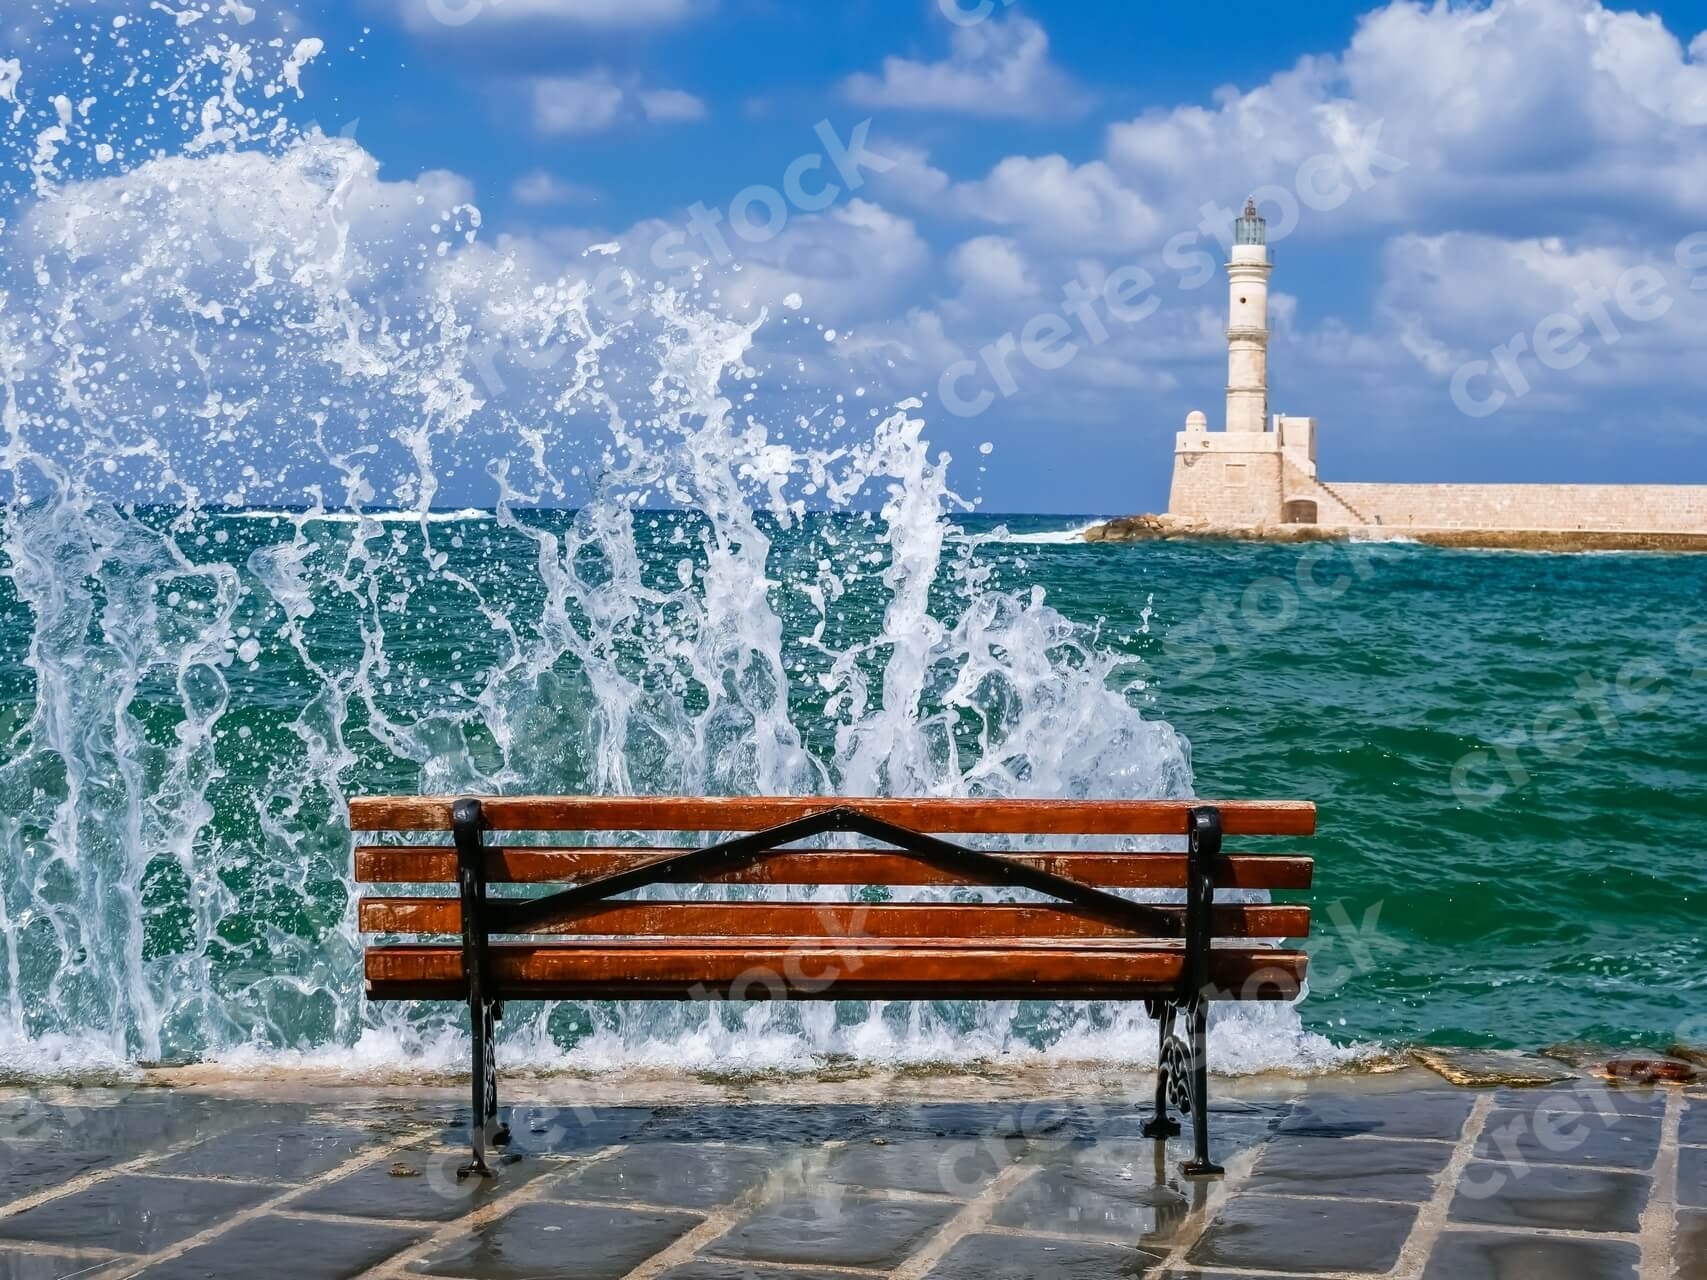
x=1182, y=1078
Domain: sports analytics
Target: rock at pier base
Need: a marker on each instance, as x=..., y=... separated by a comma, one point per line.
x=1641, y=1066
x=1154, y=528
x=1162, y=528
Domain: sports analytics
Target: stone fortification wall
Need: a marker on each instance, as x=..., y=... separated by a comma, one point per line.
x=1658, y=508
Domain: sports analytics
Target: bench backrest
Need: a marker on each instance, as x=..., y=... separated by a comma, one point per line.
x=1074, y=878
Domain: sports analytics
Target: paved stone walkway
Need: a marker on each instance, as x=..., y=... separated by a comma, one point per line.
x=1424, y=1183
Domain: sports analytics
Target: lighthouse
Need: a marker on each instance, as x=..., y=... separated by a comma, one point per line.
x=1258, y=478
x=1262, y=469
x=1247, y=324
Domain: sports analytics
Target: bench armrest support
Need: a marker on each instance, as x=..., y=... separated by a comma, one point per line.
x=1204, y=853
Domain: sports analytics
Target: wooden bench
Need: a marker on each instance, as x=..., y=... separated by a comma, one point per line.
x=588, y=942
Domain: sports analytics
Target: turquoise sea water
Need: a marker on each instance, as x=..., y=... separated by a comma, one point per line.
x=1565, y=899
x=181, y=863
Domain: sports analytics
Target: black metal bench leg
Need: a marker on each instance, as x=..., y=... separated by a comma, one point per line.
x=480, y=1072
x=1200, y=1166
x=1162, y=1126
x=467, y=825
x=1204, y=849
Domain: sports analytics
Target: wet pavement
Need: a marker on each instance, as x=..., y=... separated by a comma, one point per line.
x=1403, y=1178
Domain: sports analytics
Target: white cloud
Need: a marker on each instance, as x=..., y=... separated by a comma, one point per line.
x=539, y=188
x=853, y=261
x=1060, y=205
x=913, y=180
x=1561, y=106
x=916, y=345
x=993, y=266
x=595, y=101
x=576, y=104
x=994, y=68
x=448, y=15
x=1456, y=296
x=671, y=104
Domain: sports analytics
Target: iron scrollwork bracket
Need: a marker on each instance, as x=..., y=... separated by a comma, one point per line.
x=1178, y=1067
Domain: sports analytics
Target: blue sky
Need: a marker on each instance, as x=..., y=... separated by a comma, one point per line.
x=1524, y=150
x=431, y=96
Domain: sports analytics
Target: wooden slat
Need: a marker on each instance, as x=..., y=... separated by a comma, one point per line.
x=738, y=813
x=807, y=969
x=432, y=864
x=827, y=919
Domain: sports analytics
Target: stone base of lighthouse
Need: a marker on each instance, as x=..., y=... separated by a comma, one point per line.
x=1226, y=478
x=1245, y=479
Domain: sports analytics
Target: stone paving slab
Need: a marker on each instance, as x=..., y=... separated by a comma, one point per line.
x=1466, y=1255
x=270, y=1154
x=1292, y=1235
x=416, y=1184
x=272, y=1247
x=27, y=1169
x=1380, y=1169
x=711, y=1269
x=845, y=1229
x=1551, y=1198
x=133, y=1214
x=1622, y=1142
x=1692, y=1177
x=1690, y=1245
x=542, y=1239
x=1588, y=1101
x=944, y=1166
x=19, y=1264
x=1109, y=1192
x=1426, y=1114
x=108, y=1121
x=988, y=1257
x=559, y=1131
x=1693, y=1126
x=1335, y=1178
x=676, y=1174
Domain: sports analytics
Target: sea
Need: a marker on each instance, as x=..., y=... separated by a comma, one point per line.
x=312, y=489
x=1505, y=749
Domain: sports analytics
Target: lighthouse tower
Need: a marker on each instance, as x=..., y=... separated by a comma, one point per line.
x=1247, y=324
x=1260, y=470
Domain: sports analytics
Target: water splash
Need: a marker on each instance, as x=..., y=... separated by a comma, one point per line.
x=278, y=527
